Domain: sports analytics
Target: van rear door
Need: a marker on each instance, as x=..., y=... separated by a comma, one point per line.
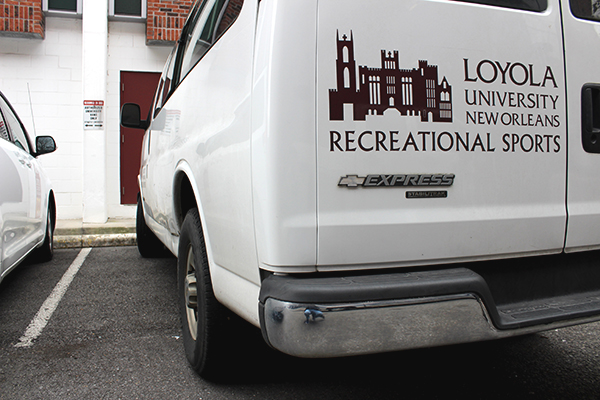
x=441, y=132
x=582, y=53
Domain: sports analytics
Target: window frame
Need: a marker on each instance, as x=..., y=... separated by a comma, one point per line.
x=165, y=85
x=505, y=4
x=591, y=17
x=188, y=29
x=123, y=17
x=63, y=13
x=8, y=114
x=187, y=46
x=4, y=128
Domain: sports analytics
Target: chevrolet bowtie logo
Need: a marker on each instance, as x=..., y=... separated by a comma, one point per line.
x=351, y=180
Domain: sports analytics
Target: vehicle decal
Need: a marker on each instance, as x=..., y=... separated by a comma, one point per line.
x=396, y=180
x=504, y=106
x=429, y=194
x=412, y=92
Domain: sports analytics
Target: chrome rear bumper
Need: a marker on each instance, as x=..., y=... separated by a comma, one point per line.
x=339, y=328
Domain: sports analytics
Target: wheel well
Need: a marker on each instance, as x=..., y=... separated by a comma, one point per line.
x=184, y=198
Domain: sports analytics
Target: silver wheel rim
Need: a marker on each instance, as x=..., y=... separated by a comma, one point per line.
x=191, y=294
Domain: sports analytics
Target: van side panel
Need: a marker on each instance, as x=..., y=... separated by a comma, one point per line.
x=204, y=131
x=441, y=133
x=283, y=134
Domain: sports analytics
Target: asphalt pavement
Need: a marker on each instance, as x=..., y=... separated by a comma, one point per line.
x=116, y=334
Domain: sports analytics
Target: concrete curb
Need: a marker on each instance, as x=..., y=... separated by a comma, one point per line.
x=77, y=234
x=99, y=240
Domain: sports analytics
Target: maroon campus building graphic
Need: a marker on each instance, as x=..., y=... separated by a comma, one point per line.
x=410, y=91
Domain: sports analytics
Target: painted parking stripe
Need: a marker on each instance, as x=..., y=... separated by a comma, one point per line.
x=38, y=323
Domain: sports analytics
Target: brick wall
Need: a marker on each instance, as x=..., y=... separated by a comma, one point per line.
x=22, y=18
x=165, y=20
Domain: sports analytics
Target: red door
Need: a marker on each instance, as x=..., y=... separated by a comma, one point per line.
x=139, y=88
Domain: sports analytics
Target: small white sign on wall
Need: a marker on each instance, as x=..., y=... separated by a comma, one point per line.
x=93, y=114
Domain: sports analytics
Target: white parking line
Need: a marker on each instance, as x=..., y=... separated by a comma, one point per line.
x=38, y=323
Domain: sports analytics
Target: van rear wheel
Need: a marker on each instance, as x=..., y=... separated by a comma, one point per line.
x=202, y=316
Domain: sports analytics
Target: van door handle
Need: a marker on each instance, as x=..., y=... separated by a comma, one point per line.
x=590, y=117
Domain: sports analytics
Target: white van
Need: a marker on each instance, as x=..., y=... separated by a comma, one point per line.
x=357, y=177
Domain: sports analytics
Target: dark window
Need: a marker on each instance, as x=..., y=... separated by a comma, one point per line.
x=128, y=7
x=586, y=9
x=164, y=86
x=19, y=135
x=211, y=22
x=3, y=128
x=62, y=5
x=212, y=19
x=527, y=5
x=231, y=12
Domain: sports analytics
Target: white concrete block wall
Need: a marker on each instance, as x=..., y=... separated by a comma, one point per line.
x=53, y=70
x=127, y=51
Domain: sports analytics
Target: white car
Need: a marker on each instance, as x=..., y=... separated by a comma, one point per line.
x=27, y=204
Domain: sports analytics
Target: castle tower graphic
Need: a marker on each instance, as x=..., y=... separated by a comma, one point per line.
x=372, y=91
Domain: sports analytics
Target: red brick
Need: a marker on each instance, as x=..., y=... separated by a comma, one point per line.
x=162, y=14
x=23, y=18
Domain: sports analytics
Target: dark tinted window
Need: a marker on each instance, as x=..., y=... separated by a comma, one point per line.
x=586, y=9
x=164, y=86
x=128, y=7
x=212, y=19
x=527, y=5
x=208, y=33
x=19, y=136
x=62, y=5
x=3, y=128
x=229, y=15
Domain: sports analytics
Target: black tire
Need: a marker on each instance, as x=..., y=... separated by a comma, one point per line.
x=46, y=251
x=203, y=318
x=147, y=243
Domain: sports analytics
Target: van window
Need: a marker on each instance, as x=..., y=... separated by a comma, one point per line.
x=210, y=22
x=586, y=9
x=231, y=12
x=527, y=5
x=164, y=86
